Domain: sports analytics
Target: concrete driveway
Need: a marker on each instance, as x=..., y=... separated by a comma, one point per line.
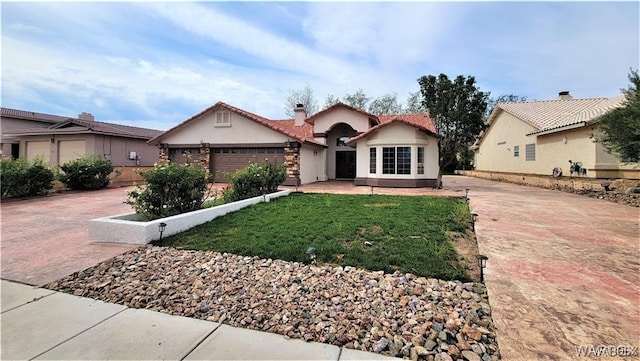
x=44, y=239
x=563, y=271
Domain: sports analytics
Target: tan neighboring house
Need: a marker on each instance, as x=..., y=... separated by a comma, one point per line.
x=58, y=139
x=534, y=137
x=337, y=143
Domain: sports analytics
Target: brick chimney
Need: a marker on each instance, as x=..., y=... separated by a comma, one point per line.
x=564, y=95
x=86, y=116
x=300, y=115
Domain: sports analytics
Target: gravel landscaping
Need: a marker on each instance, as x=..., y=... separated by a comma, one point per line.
x=393, y=314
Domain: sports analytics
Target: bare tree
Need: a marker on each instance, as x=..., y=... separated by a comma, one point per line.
x=303, y=96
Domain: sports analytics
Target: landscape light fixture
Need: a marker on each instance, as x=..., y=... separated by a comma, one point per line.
x=161, y=228
x=474, y=217
x=312, y=254
x=482, y=263
x=466, y=194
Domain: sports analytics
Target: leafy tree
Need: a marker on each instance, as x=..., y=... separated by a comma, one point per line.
x=504, y=98
x=457, y=108
x=386, y=105
x=621, y=126
x=330, y=100
x=303, y=96
x=357, y=100
x=414, y=103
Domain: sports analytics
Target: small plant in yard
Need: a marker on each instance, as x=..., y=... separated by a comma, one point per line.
x=86, y=173
x=255, y=180
x=170, y=189
x=21, y=178
x=389, y=233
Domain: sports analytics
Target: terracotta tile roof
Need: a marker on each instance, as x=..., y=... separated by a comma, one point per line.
x=287, y=127
x=420, y=121
x=549, y=115
x=311, y=119
x=67, y=125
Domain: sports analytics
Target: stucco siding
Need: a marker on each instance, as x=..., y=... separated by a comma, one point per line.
x=324, y=122
x=555, y=150
x=396, y=135
x=204, y=130
x=496, y=152
x=312, y=164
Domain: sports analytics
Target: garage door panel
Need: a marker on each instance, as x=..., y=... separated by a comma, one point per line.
x=70, y=150
x=241, y=158
x=36, y=149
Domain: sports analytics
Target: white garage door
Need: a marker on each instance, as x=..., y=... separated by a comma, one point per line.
x=42, y=149
x=70, y=150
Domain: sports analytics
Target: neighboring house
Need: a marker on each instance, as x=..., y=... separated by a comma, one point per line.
x=340, y=142
x=534, y=137
x=59, y=139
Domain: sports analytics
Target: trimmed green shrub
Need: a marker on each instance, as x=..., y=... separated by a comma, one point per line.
x=256, y=180
x=21, y=178
x=86, y=173
x=170, y=189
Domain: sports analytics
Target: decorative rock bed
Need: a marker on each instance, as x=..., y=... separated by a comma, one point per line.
x=394, y=314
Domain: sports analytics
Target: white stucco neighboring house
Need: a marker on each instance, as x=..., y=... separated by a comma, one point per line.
x=534, y=137
x=337, y=143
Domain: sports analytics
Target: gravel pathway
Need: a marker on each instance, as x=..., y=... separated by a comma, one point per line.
x=394, y=314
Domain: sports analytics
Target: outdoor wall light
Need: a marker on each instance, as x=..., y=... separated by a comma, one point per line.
x=482, y=263
x=161, y=228
x=312, y=254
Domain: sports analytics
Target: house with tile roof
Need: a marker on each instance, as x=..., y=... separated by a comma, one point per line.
x=58, y=139
x=338, y=143
x=534, y=137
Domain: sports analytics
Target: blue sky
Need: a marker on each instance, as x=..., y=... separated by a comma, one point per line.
x=156, y=64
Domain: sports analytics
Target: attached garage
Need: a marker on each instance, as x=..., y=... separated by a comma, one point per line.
x=228, y=160
x=39, y=149
x=70, y=150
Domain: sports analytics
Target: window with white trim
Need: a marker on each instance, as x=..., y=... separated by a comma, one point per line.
x=420, y=160
x=516, y=150
x=372, y=160
x=396, y=160
x=223, y=119
x=530, y=152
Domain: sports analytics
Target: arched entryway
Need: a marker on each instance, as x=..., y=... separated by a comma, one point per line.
x=341, y=158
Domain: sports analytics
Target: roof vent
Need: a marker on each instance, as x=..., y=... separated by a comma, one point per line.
x=564, y=95
x=86, y=116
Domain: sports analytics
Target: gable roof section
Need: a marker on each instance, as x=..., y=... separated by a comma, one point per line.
x=312, y=118
x=419, y=121
x=555, y=115
x=66, y=125
x=40, y=117
x=287, y=127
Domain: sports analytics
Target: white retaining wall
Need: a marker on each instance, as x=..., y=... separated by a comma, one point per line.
x=128, y=228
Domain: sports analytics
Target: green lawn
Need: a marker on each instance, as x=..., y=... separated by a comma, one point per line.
x=409, y=234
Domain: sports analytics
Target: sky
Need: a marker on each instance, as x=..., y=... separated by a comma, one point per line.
x=155, y=64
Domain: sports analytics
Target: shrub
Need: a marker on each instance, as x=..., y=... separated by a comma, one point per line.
x=86, y=173
x=21, y=178
x=170, y=189
x=256, y=180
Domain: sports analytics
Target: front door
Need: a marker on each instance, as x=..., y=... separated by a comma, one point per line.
x=345, y=165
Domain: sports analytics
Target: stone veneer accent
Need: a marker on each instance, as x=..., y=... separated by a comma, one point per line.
x=292, y=162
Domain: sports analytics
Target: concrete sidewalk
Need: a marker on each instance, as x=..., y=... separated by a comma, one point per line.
x=41, y=324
